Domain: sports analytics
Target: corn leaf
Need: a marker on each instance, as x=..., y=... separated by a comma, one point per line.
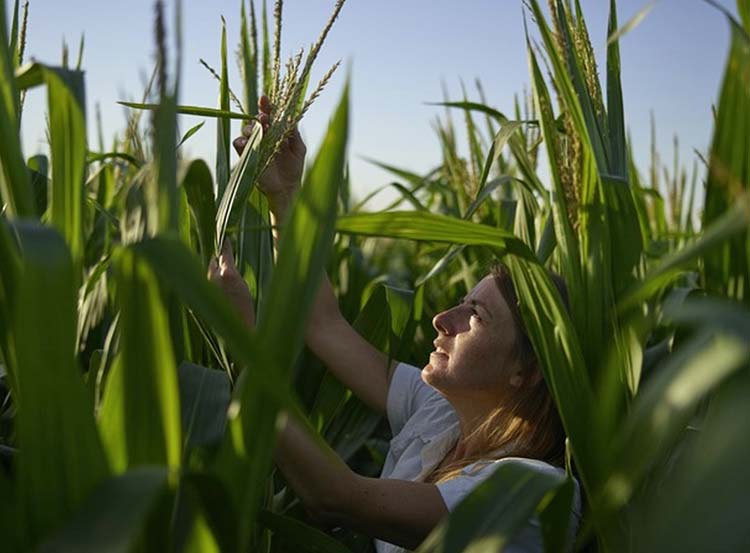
x=140, y=419
x=192, y=110
x=728, y=265
x=699, y=506
x=61, y=457
x=15, y=191
x=299, y=536
x=198, y=185
x=240, y=185
x=113, y=517
x=490, y=516
x=249, y=53
x=66, y=105
x=223, y=145
x=204, y=399
x=432, y=228
x=303, y=249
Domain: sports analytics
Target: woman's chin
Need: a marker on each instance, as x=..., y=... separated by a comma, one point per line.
x=435, y=369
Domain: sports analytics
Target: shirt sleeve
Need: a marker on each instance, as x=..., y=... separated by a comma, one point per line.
x=406, y=394
x=456, y=489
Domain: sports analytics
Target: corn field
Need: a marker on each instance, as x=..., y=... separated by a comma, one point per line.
x=138, y=412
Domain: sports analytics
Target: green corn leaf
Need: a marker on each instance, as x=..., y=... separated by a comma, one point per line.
x=181, y=272
x=664, y=408
x=567, y=242
x=192, y=110
x=10, y=273
x=517, y=146
x=255, y=245
x=299, y=536
x=140, y=418
x=114, y=516
x=240, y=185
x=223, y=145
x=735, y=221
x=93, y=157
x=409, y=196
x=15, y=190
x=615, y=33
x=267, y=69
x=412, y=178
x=61, y=457
x=489, y=518
x=204, y=399
x=554, y=515
x=560, y=354
x=728, y=265
x=625, y=230
x=699, y=505
x=161, y=191
x=13, y=46
x=432, y=228
x=66, y=104
x=303, y=249
x=743, y=8
x=249, y=53
x=190, y=132
x=495, y=114
x=198, y=185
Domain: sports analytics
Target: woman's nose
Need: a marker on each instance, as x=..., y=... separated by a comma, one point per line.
x=444, y=322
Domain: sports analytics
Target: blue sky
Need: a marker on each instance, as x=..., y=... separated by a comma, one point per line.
x=399, y=53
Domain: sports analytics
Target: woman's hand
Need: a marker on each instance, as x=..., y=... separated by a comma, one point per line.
x=283, y=176
x=224, y=273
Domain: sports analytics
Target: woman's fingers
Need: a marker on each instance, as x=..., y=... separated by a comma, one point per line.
x=227, y=256
x=264, y=104
x=239, y=144
x=296, y=144
x=213, y=269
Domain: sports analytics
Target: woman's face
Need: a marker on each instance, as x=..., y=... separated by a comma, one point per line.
x=474, y=345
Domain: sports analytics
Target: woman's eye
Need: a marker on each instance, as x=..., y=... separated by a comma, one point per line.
x=475, y=313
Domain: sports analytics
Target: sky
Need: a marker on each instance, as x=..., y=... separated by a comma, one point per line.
x=399, y=54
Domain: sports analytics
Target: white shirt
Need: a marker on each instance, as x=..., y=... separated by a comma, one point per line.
x=425, y=428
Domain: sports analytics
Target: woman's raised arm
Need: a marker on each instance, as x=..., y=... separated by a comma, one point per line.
x=353, y=360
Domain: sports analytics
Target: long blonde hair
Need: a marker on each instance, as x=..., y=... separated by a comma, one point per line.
x=528, y=427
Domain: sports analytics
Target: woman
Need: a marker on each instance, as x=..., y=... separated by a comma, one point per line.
x=479, y=402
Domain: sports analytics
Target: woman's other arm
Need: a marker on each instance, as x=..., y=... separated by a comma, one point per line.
x=397, y=511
